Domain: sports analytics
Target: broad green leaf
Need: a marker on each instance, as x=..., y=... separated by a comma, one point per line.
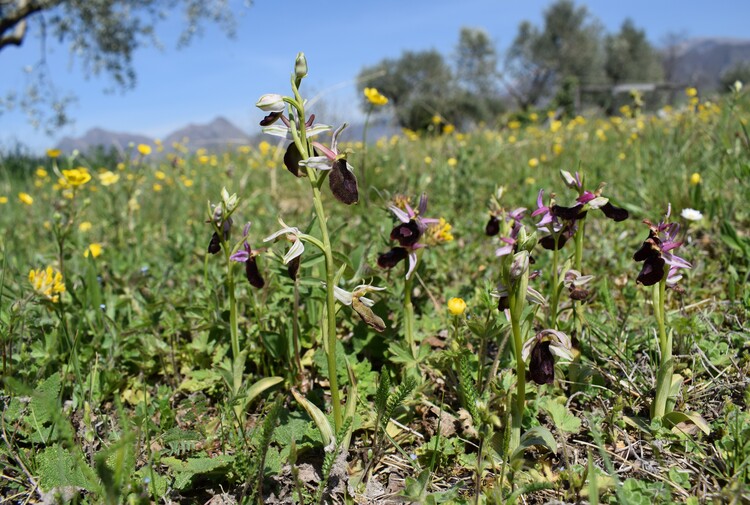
x=321, y=421
x=561, y=416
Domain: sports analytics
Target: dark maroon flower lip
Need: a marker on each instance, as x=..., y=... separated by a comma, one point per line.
x=542, y=364
x=391, y=258
x=406, y=234
x=568, y=213
x=493, y=227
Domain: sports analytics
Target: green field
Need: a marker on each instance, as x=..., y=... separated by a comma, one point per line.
x=150, y=370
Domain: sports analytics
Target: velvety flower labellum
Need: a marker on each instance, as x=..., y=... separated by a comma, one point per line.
x=214, y=246
x=493, y=227
x=253, y=274
x=568, y=213
x=270, y=118
x=292, y=157
x=292, y=269
x=614, y=213
x=343, y=183
x=542, y=364
x=407, y=234
x=653, y=266
x=391, y=258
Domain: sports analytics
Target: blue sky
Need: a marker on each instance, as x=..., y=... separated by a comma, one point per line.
x=216, y=75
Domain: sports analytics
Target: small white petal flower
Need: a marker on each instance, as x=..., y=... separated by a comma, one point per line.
x=297, y=247
x=691, y=214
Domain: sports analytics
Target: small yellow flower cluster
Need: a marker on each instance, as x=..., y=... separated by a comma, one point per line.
x=47, y=283
x=375, y=97
x=144, y=149
x=25, y=198
x=54, y=153
x=439, y=233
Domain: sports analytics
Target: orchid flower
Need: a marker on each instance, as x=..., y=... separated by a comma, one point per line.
x=407, y=233
x=655, y=252
x=247, y=256
x=341, y=178
x=291, y=232
x=542, y=348
x=357, y=300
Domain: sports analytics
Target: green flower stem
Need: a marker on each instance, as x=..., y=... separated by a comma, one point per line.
x=519, y=405
x=233, y=325
x=555, y=286
x=666, y=364
x=578, y=306
x=409, y=313
x=303, y=144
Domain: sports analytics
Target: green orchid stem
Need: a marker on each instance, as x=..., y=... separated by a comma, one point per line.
x=555, y=286
x=304, y=147
x=233, y=326
x=578, y=306
x=666, y=364
x=330, y=309
x=409, y=314
x=519, y=406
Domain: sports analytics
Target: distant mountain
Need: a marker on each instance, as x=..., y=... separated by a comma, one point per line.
x=701, y=62
x=217, y=134
x=101, y=137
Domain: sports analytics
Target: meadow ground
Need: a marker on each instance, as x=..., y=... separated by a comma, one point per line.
x=140, y=368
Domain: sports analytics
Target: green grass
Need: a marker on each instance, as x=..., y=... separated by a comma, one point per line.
x=118, y=391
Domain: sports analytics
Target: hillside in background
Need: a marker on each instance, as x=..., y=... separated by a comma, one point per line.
x=701, y=62
x=697, y=62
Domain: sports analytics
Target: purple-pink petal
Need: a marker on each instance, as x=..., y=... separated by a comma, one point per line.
x=504, y=251
x=240, y=256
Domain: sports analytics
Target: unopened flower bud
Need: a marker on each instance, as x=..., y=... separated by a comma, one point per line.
x=300, y=66
x=456, y=306
x=737, y=86
x=520, y=265
x=271, y=102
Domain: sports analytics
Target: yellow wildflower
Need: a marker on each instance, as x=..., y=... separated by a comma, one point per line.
x=557, y=148
x=452, y=162
x=264, y=147
x=530, y=181
x=427, y=160
x=691, y=92
x=76, y=177
x=203, y=159
x=157, y=187
x=436, y=119
x=448, y=129
x=47, y=283
x=85, y=226
x=375, y=97
x=41, y=172
x=244, y=149
x=440, y=232
x=533, y=162
x=108, y=178
x=144, y=149
x=25, y=198
x=533, y=117
x=555, y=125
x=53, y=153
x=514, y=125
x=456, y=306
x=3, y=200
x=512, y=139
x=94, y=249
x=160, y=175
x=695, y=179
x=621, y=156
